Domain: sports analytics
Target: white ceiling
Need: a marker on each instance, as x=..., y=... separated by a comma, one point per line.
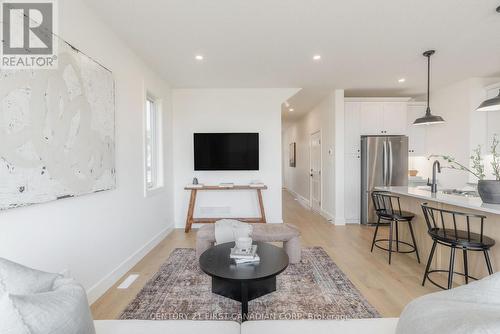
x=366, y=45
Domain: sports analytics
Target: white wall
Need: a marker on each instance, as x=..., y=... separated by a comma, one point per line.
x=229, y=110
x=320, y=118
x=99, y=237
x=464, y=129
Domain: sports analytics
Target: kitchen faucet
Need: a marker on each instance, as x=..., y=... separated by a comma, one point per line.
x=436, y=168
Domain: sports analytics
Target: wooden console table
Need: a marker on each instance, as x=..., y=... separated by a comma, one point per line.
x=190, y=220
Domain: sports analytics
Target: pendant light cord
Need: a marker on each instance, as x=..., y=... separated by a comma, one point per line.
x=428, y=54
x=428, y=83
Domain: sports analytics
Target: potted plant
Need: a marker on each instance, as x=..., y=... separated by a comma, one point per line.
x=489, y=190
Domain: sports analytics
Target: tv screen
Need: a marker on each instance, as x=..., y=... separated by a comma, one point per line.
x=226, y=151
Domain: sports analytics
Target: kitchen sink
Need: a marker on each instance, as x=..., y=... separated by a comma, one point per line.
x=458, y=192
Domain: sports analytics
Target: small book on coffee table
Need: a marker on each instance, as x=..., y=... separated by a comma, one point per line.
x=244, y=254
x=255, y=259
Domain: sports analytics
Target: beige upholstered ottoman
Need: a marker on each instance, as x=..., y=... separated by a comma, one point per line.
x=286, y=233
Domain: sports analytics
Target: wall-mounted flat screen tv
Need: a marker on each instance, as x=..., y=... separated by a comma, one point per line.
x=226, y=151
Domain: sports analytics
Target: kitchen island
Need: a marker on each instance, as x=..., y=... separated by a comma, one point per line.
x=411, y=200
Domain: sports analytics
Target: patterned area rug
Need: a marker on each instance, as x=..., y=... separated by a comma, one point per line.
x=313, y=289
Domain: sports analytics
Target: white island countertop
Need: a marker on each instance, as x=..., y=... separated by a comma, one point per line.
x=473, y=203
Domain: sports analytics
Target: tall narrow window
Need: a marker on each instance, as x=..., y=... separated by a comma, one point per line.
x=153, y=143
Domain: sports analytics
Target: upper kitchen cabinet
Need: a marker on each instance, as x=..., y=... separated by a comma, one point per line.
x=373, y=116
x=371, y=122
x=383, y=118
x=417, y=145
x=394, y=118
x=376, y=116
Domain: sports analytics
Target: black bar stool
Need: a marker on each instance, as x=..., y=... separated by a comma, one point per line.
x=442, y=227
x=388, y=208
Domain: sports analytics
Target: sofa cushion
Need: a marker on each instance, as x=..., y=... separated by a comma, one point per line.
x=36, y=302
x=164, y=327
x=469, y=309
x=357, y=326
x=20, y=280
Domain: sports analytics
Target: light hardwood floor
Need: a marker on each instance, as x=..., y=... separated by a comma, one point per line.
x=388, y=288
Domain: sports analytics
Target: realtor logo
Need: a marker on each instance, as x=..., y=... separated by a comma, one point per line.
x=28, y=34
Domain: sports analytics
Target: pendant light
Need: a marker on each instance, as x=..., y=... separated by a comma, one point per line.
x=494, y=103
x=491, y=104
x=429, y=118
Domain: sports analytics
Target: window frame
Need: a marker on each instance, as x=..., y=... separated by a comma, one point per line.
x=154, y=117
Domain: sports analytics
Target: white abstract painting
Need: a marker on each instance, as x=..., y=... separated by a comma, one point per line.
x=57, y=131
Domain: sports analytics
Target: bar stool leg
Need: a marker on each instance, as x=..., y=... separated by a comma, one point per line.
x=397, y=235
x=488, y=262
x=414, y=242
x=429, y=261
x=452, y=264
x=390, y=241
x=375, y=234
x=466, y=267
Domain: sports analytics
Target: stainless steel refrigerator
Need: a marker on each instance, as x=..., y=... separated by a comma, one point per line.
x=384, y=162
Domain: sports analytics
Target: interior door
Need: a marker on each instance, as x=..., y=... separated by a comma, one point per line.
x=315, y=172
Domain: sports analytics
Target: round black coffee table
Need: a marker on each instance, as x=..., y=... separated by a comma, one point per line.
x=243, y=282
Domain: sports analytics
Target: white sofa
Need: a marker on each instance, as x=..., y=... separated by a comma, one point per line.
x=362, y=326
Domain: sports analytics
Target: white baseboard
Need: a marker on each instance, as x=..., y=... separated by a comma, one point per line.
x=339, y=221
x=327, y=215
x=301, y=199
x=96, y=291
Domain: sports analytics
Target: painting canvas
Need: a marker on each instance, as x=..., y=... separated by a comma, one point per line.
x=292, y=155
x=57, y=131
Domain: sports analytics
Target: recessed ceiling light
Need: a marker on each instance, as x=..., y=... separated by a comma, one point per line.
x=291, y=110
x=199, y=57
x=402, y=80
x=317, y=57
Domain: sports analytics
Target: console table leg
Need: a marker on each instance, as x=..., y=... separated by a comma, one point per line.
x=190, y=214
x=261, y=206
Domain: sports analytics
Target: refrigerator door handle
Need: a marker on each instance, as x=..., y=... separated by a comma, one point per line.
x=384, y=164
x=390, y=165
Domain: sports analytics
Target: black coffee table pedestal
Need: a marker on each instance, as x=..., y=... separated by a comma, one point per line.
x=244, y=282
x=243, y=291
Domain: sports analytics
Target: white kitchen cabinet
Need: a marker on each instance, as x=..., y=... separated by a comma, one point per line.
x=352, y=128
x=383, y=118
x=371, y=114
x=352, y=188
x=417, y=135
x=379, y=117
x=394, y=118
